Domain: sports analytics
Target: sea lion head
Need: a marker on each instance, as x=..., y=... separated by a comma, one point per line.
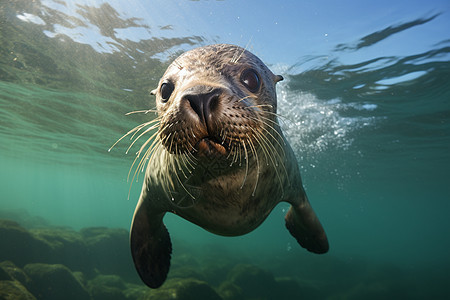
x=214, y=100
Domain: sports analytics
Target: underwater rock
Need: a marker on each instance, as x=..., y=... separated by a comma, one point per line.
x=4, y=275
x=210, y=262
x=20, y=246
x=9, y=271
x=13, y=289
x=54, y=282
x=384, y=281
x=135, y=291
x=185, y=259
x=107, y=287
x=247, y=281
x=67, y=247
x=216, y=273
x=291, y=289
x=365, y=291
x=109, y=251
x=108, y=280
x=182, y=289
x=187, y=272
x=186, y=265
x=230, y=291
x=80, y=277
x=254, y=282
x=24, y=218
x=102, y=249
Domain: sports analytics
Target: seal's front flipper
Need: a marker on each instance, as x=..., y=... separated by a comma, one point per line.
x=303, y=224
x=150, y=246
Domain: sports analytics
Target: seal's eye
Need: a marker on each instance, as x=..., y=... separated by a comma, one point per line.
x=251, y=80
x=166, y=90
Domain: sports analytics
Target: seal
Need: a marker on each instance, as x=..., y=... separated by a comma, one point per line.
x=217, y=157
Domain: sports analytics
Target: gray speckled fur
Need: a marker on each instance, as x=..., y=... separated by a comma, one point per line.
x=218, y=195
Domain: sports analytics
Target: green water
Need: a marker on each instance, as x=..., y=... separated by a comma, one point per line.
x=372, y=144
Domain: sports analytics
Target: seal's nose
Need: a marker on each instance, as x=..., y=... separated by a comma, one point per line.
x=204, y=101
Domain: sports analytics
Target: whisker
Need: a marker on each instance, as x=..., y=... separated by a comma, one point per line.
x=282, y=118
x=238, y=150
x=177, y=63
x=143, y=133
x=151, y=150
x=190, y=162
x=246, y=165
x=166, y=138
x=270, y=113
x=141, y=163
x=274, y=122
x=255, y=153
x=280, y=157
x=157, y=120
x=274, y=138
x=140, y=160
x=141, y=111
x=235, y=55
x=272, y=150
x=262, y=106
x=171, y=142
x=167, y=182
x=179, y=161
x=129, y=132
x=190, y=145
x=181, y=182
x=270, y=126
x=233, y=152
x=184, y=164
x=155, y=145
x=243, y=50
x=246, y=97
x=128, y=177
x=263, y=146
x=150, y=139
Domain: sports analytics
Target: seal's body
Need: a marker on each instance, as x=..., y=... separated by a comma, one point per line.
x=218, y=159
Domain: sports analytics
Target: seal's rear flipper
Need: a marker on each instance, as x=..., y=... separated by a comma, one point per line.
x=303, y=224
x=150, y=246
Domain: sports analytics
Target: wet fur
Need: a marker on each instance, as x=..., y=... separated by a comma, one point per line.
x=228, y=194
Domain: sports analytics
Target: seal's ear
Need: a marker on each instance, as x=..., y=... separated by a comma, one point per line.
x=153, y=92
x=278, y=78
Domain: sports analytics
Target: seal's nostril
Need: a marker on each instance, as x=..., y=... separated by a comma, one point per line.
x=214, y=103
x=210, y=108
x=196, y=105
x=204, y=104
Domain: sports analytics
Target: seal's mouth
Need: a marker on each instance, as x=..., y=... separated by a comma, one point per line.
x=209, y=146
